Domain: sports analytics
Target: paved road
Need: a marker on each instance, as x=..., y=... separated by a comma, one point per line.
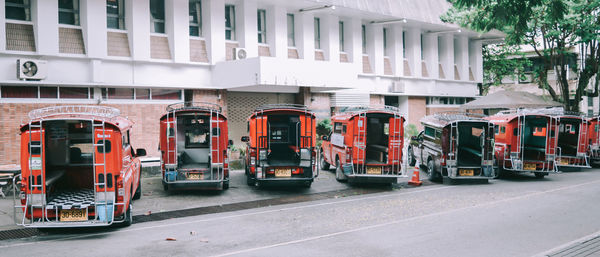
x=520, y=216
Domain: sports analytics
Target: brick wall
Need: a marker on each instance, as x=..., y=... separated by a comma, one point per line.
x=229, y=50
x=70, y=41
x=198, y=51
x=434, y=110
x=377, y=101
x=143, y=135
x=159, y=47
x=416, y=110
x=264, y=50
x=211, y=96
x=117, y=44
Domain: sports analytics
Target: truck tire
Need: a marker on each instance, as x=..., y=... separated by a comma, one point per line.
x=324, y=164
x=411, y=158
x=432, y=174
x=138, y=191
x=499, y=173
x=540, y=175
x=225, y=185
x=128, y=216
x=339, y=172
x=249, y=180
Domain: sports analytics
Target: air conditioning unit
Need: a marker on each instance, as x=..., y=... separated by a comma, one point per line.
x=397, y=87
x=239, y=53
x=28, y=69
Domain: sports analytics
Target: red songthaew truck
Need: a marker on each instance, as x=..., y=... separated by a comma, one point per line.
x=78, y=168
x=594, y=138
x=525, y=142
x=193, y=145
x=365, y=145
x=281, y=146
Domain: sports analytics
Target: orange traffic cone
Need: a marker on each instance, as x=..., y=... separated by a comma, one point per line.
x=415, y=180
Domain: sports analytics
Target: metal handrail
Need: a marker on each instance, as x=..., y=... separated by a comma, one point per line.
x=101, y=111
x=387, y=108
x=282, y=106
x=453, y=116
x=194, y=106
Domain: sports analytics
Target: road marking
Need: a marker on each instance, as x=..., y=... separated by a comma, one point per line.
x=384, y=195
x=401, y=220
x=565, y=245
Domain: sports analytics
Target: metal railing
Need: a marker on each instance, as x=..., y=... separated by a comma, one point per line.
x=101, y=111
x=205, y=106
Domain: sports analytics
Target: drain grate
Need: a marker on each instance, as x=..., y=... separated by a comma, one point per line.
x=589, y=247
x=30, y=232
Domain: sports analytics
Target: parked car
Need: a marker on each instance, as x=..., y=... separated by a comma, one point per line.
x=454, y=145
x=365, y=145
x=525, y=142
x=78, y=168
x=572, y=139
x=193, y=146
x=281, y=146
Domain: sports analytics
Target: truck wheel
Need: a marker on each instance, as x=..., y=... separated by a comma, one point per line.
x=225, y=185
x=411, y=158
x=249, y=180
x=324, y=163
x=431, y=173
x=499, y=173
x=339, y=173
x=128, y=216
x=540, y=174
x=138, y=191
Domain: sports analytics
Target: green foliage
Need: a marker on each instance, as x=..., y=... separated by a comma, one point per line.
x=411, y=130
x=324, y=127
x=502, y=61
x=551, y=27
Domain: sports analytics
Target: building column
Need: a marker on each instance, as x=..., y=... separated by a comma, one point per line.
x=462, y=60
x=431, y=55
x=395, y=49
x=2, y=28
x=447, y=55
x=139, y=32
x=246, y=27
x=330, y=38
x=178, y=29
x=277, y=31
x=413, y=51
x=353, y=32
x=44, y=15
x=93, y=24
x=213, y=26
x=375, y=47
x=476, y=59
x=305, y=27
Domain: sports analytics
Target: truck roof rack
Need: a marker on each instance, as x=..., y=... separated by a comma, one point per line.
x=282, y=106
x=387, y=108
x=203, y=106
x=93, y=110
x=452, y=116
x=553, y=111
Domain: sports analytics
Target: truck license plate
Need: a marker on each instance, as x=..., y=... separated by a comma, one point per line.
x=195, y=176
x=283, y=172
x=73, y=215
x=465, y=172
x=374, y=170
x=564, y=161
x=529, y=166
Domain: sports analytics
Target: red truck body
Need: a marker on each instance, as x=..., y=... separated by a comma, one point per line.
x=193, y=146
x=78, y=168
x=365, y=145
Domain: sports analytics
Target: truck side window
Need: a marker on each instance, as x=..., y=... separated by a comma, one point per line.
x=337, y=128
x=515, y=132
x=496, y=129
x=430, y=132
x=502, y=130
x=344, y=129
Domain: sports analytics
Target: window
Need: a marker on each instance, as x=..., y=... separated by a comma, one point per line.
x=141, y=93
x=385, y=48
x=49, y=92
x=291, y=36
x=502, y=130
x=157, y=16
x=262, y=26
x=447, y=100
x=344, y=129
x=195, y=18
x=229, y=22
x=74, y=92
x=341, y=34
x=364, y=39
x=18, y=10
x=279, y=134
x=117, y=93
x=496, y=130
x=337, y=128
x=115, y=14
x=166, y=94
x=197, y=132
x=19, y=92
x=422, y=48
x=68, y=12
x=440, y=45
x=403, y=45
x=125, y=140
x=430, y=132
x=317, y=33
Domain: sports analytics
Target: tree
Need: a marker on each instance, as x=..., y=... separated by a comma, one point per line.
x=501, y=61
x=552, y=27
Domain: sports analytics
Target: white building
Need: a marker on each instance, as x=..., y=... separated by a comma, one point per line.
x=140, y=55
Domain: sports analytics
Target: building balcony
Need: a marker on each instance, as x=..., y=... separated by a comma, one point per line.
x=284, y=75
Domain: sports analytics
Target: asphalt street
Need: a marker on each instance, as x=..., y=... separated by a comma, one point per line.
x=518, y=216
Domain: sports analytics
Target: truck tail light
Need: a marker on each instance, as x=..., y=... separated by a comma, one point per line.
x=443, y=162
x=120, y=190
x=348, y=154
